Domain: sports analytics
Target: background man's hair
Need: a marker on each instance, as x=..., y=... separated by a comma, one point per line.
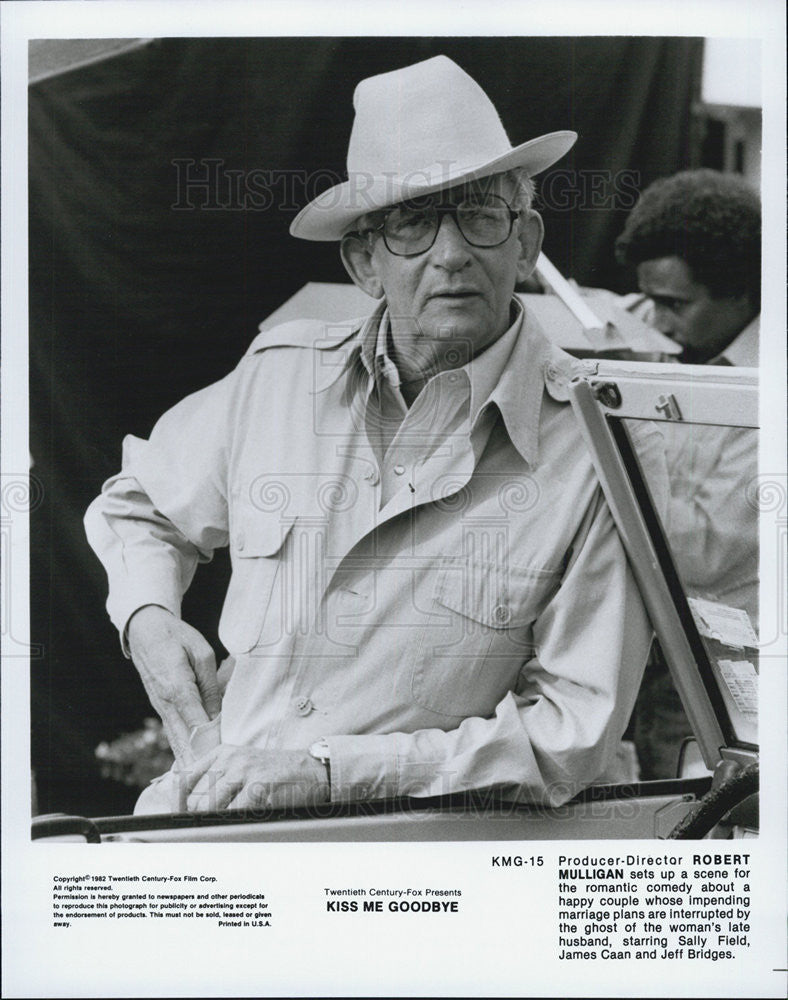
x=710, y=220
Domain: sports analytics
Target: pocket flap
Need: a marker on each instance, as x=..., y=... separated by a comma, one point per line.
x=500, y=597
x=257, y=540
x=255, y=532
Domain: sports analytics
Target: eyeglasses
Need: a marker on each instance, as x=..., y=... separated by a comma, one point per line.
x=409, y=229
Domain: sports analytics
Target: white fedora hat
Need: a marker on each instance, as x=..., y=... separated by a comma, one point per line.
x=417, y=130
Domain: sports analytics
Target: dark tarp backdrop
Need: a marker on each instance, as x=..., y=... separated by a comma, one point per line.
x=137, y=299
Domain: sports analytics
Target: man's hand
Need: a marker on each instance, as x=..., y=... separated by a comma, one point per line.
x=178, y=669
x=233, y=777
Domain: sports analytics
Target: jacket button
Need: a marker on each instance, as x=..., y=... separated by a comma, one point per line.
x=304, y=705
x=501, y=614
x=399, y=470
x=372, y=478
x=551, y=371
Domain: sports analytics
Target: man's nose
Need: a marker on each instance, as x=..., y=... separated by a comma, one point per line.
x=663, y=320
x=450, y=249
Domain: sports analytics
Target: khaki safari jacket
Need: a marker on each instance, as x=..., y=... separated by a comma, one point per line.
x=480, y=631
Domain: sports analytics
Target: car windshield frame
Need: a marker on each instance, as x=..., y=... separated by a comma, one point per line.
x=604, y=402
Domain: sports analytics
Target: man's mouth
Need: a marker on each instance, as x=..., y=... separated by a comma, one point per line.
x=455, y=293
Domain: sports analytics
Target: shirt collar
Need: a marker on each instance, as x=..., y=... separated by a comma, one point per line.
x=373, y=339
x=519, y=392
x=365, y=332
x=485, y=371
x=482, y=372
x=512, y=373
x=743, y=350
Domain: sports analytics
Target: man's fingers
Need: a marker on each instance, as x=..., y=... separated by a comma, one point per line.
x=177, y=666
x=249, y=797
x=174, y=694
x=177, y=733
x=178, y=669
x=203, y=663
x=245, y=778
x=190, y=776
x=214, y=790
x=176, y=697
x=188, y=704
x=214, y=796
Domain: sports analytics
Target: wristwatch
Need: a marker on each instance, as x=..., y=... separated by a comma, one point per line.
x=320, y=751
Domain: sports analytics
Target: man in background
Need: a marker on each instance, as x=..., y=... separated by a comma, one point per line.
x=695, y=239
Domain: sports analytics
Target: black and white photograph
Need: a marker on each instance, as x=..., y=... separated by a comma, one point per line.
x=394, y=500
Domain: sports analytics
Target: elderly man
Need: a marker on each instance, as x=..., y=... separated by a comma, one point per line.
x=695, y=239
x=428, y=593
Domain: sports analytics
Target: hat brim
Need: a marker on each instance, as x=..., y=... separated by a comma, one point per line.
x=334, y=212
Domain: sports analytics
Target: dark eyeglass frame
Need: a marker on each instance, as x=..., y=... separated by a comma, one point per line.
x=446, y=208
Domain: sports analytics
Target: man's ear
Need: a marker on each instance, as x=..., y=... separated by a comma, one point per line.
x=356, y=253
x=530, y=233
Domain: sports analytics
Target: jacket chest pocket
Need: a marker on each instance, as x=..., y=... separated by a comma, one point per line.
x=258, y=547
x=480, y=636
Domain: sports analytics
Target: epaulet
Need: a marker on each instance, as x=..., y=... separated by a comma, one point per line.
x=310, y=334
x=560, y=369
